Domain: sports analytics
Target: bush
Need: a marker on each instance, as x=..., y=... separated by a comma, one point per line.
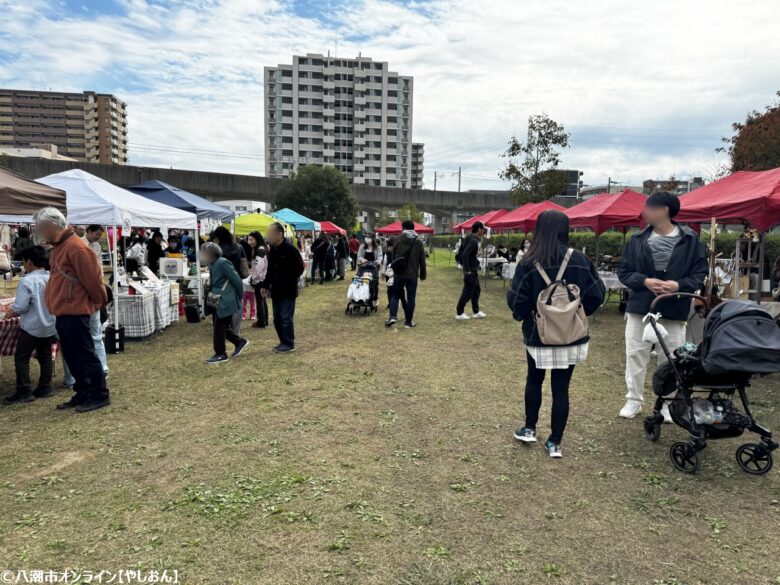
x=612, y=242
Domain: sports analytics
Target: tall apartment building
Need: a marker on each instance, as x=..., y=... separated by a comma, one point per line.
x=88, y=126
x=418, y=168
x=354, y=114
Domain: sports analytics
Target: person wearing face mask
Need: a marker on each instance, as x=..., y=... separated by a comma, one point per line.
x=369, y=252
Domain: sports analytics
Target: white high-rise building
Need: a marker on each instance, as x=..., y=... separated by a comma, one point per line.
x=353, y=114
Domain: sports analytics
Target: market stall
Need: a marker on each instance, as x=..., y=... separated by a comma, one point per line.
x=258, y=222
x=20, y=197
x=206, y=212
x=483, y=217
x=329, y=227
x=522, y=219
x=300, y=223
x=92, y=200
x=744, y=196
x=396, y=228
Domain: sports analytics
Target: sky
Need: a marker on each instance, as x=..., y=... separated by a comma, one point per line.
x=645, y=89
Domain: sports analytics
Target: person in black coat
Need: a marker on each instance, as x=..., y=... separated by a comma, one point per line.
x=548, y=249
x=663, y=258
x=319, y=251
x=468, y=258
x=285, y=267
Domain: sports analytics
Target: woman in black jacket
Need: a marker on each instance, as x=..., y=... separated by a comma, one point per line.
x=548, y=249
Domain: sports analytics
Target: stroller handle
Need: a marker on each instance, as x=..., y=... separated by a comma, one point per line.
x=659, y=298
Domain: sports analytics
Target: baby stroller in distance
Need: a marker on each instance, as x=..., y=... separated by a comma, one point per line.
x=740, y=341
x=363, y=292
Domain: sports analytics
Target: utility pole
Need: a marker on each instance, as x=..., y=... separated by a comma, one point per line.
x=458, y=179
x=435, y=176
x=609, y=184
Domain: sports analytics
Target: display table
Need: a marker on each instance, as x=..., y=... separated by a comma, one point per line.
x=612, y=284
x=165, y=313
x=9, y=335
x=508, y=270
x=486, y=264
x=136, y=314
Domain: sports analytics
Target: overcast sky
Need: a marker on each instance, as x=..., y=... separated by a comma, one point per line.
x=646, y=89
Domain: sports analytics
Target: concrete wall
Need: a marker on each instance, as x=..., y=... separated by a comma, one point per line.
x=217, y=186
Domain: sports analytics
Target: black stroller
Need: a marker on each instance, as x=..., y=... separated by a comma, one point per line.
x=741, y=340
x=357, y=300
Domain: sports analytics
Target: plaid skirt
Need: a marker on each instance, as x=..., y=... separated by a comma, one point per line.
x=558, y=357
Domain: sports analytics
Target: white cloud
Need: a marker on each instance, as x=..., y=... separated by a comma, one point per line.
x=646, y=88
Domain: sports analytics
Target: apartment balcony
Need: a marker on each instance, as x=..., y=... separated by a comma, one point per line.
x=360, y=100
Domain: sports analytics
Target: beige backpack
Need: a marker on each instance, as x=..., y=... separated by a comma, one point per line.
x=560, y=317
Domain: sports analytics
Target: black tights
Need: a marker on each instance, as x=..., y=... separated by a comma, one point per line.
x=560, y=380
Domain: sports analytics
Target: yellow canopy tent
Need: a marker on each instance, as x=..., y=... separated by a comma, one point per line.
x=251, y=222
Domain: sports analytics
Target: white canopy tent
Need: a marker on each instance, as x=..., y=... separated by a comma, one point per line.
x=91, y=200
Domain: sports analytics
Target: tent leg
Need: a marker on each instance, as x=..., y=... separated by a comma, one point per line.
x=598, y=248
x=115, y=268
x=760, y=266
x=201, y=307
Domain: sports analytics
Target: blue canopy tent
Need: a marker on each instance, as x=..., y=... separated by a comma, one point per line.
x=184, y=200
x=298, y=221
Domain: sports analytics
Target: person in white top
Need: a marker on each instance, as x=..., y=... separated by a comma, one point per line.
x=92, y=239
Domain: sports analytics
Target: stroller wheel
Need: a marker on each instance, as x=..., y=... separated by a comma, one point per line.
x=754, y=458
x=652, y=428
x=684, y=457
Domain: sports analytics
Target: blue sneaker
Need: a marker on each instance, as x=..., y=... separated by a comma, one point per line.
x=525, y=435
x=217, y=359
x=553, y=449
x=284, y=349
x=240, y=347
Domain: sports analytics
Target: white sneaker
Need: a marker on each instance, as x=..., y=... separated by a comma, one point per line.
x=665, y=412
x=478, y=315
x=462, y=317
x=553, y=449
x=631, y=409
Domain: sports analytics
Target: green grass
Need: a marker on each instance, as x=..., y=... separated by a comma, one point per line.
x=374, y=456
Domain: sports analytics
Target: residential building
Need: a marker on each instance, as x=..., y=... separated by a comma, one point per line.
x=350, y=113
x=87, y=126
x=672, y=185
x=588, y=191
x=418, y=167
x=240, y=206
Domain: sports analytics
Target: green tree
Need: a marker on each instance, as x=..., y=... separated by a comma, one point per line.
x=321, y=193
x=755, y=145
x=532, y=166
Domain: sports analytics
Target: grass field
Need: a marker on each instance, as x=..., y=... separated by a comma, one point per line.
x=374, y=456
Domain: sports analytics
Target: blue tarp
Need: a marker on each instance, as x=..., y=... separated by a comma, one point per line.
x=298, y=221
x=175, y=197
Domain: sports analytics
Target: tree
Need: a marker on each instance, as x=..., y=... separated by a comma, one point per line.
x=755, y=145
x=321, y=193
x=533, y=165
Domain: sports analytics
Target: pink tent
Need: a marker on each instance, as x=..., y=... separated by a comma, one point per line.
x=753, y=196
x=395, y=228
x=523, y=218
x=483, y=217
x=331, y=228
x=605, y=210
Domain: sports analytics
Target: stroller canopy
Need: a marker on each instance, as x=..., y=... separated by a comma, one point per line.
x=739, y=336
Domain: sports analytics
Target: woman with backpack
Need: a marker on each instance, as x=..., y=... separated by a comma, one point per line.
x=553, y=291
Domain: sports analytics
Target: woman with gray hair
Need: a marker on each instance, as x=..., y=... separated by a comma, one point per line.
x=224, y=300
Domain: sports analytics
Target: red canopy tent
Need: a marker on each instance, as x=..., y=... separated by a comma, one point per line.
x=753, y=196
x=523, y=218
x=395, y=228
x=483, y=217
x=331, y=228
x=608, y=210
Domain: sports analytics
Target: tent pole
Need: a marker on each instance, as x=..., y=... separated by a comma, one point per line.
x=201, y=308
x=115, y=269
x=760, y=266
x=598, y=247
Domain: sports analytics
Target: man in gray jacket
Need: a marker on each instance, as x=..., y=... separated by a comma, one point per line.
x=408, y=263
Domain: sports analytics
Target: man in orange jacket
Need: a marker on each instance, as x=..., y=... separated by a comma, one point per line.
x=75, y=291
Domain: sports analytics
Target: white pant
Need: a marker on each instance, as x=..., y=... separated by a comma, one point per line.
x=638, y=351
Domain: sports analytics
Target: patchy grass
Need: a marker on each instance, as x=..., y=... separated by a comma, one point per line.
x=374, y=456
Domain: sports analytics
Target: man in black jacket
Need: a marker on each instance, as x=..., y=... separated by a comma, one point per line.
x=409, y=250
x=664, y=258
x=285, y=267
x=468, y=258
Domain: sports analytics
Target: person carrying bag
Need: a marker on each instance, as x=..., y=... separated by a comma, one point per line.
x=554, y=316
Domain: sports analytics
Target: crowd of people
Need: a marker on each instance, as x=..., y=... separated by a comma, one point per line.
x=62, y=294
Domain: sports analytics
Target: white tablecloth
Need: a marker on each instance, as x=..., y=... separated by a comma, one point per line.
x=508, y=270
x=611, y=281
